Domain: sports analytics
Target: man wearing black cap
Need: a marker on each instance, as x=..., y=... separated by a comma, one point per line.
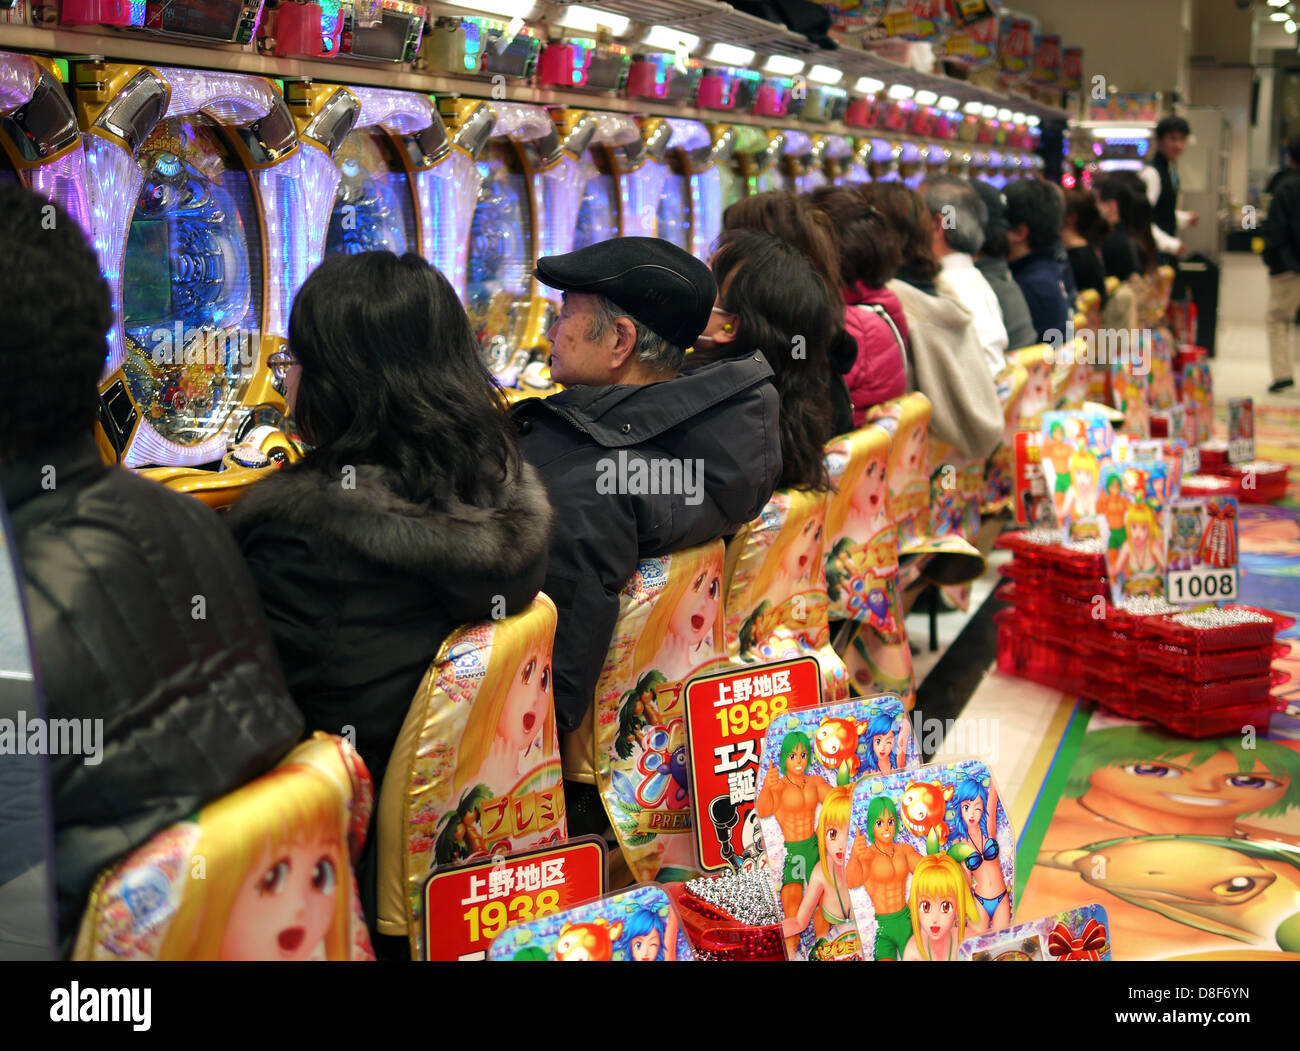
x=631, y=308
x=992, y=263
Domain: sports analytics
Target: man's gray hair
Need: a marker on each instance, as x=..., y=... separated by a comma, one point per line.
x=651, y=349
x=952, y=196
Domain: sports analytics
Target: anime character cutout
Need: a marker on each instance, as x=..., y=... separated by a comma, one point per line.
x=887, y=737
x=684, y=629
x=792, y=798
x=974, y=844
x=881, y=864
x=1141, y=560
x=648, y=936
x=1113, y=505
x=825, y=901
x=941, y=905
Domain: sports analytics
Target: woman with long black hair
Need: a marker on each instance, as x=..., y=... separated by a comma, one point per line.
x=772, y=299
x=412, y=514
x=1130, y=248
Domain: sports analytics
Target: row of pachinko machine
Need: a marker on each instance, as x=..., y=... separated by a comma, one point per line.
x=211, y=195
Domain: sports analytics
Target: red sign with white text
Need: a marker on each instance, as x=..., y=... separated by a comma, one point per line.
x=727, y=716
x=466, y=907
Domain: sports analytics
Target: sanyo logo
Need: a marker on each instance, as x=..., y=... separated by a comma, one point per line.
x=102, y=1005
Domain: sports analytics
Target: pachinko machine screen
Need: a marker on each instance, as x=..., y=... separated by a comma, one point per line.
x=674, y=209
x=192, y=282
x=373, y=207
x=598, y=213
x=500, y=253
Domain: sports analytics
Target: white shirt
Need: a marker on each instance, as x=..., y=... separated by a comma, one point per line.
x=1164, y=242
x=971, y=289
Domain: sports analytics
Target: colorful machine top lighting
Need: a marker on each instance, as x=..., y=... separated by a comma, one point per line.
x=39, y=134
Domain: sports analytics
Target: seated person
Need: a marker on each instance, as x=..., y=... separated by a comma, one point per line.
x=413, y=513
x=1129, y=250
x=188, y=707
x=945, y=362
x=1034, y=217
x=794, y=220
x=959, y=216
x=631, y=307
x=769, y=297
x=873, y=316
x=1082, y=235
x=991, y=261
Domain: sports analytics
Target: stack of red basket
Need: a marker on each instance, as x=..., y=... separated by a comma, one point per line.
x=1199, y=673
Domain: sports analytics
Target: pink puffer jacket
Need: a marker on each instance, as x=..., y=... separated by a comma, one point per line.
x=880, y=372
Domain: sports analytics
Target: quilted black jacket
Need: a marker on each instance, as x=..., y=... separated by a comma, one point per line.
x=142, y=614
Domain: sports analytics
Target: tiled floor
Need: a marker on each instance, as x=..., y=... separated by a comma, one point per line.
x=1240, y=366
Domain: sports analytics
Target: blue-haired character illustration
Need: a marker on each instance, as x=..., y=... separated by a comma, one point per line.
x=973, y=842
x=648, y=936
x=886, y=739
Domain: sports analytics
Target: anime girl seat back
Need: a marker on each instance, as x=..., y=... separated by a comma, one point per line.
x=862, y=565
x=476, y=767
x=633, y=744
x=776, y=600
x=265, y=873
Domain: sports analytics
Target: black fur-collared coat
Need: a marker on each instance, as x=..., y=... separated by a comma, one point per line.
x=361, y=587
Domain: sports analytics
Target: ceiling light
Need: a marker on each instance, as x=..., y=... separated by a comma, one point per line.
x=1289, y=26
x=1033, y=121
x=989, y=111
x=974, y=107
x=1018, y=118
x=1004, y=114
x=783, y=65
x=1279, y=16
x=947, y=102
x=901, y=91
x=826, y=74
x=730, y=55
x=869, y=85
x=926, y=98
x=504, y=8
x=667, y=39
x=589, y=20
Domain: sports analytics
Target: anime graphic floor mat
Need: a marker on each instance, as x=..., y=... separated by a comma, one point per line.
x=1277, y=438
x=1192, y=847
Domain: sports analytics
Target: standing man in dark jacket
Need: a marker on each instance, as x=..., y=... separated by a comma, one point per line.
x=146, y=627
x=1035, y=215
x=631, y=306
x=1282, y=254
x=1160, y=180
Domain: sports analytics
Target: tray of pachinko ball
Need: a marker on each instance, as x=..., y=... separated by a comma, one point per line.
x=1209, y=630
x=1257, y=481
x=732, y=917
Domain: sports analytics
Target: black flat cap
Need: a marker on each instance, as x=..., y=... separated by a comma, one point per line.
x=665, y=288
x=994, y=201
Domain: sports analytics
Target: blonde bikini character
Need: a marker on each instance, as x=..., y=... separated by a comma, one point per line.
x=1141, y=559
x=941, y=903
x=825, y=901
x=277, y=880
x=1081, y=501
x=908, y=466
x=511, y=730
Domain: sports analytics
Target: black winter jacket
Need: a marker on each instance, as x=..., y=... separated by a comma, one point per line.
x=1282, y=228
x=724, y=415
x=142, y=614
x=362, y=587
